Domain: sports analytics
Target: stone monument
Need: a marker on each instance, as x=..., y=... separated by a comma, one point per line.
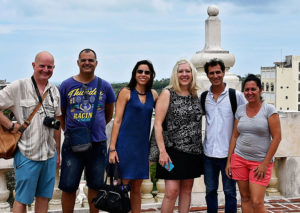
x=212, y=49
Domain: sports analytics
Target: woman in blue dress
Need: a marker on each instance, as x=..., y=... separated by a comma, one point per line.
x=131, y=128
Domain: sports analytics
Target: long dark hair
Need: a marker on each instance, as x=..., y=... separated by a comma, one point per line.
x=132, y=82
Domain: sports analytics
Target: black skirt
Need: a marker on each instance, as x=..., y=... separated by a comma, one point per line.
x=186, y=166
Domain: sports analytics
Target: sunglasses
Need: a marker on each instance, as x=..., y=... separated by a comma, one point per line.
x=91, y=60
x=146, y=72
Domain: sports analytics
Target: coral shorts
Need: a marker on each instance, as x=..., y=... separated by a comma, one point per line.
x=243, y=169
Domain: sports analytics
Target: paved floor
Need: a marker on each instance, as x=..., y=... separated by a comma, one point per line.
x=273, y=205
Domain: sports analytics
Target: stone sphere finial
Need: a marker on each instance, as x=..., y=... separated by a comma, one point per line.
x=213, y=10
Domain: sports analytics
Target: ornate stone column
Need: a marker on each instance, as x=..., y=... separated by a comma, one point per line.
x=85, y=202
x=55, y=202
x=272, y=189
x=4, y=193
x=5, y=165
x=213, y=49
x=146, y=189
x=160, y=184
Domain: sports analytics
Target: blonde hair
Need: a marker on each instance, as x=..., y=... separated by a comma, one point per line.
x=174, y=84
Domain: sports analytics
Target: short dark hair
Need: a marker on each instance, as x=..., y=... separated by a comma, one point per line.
x=86, y=50
x=132, y=82
x=252, y=77
x=214, y=62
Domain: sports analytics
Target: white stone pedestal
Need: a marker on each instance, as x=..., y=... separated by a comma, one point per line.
x=5, y=165
x=4, y=193
x=55, y=202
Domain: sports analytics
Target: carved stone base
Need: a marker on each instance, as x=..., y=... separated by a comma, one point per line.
x=275, y=193
x=272, y=189
x=146, y=189
x=159, y=197
x=4, y=207
x=147, y=198
x=77, y=204
x=54, y=204
x=160, y=184
x=85, y=203
x=4, y=193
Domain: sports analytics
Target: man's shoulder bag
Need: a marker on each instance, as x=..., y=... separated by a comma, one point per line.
x=9, y=140
x=8, y=143
x=81, y=137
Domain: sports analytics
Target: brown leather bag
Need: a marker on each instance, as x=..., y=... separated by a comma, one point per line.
x=8, y=143
x=9, y=140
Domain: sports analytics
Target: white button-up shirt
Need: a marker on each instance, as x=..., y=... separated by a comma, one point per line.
x=219, y=123
x=37, y=142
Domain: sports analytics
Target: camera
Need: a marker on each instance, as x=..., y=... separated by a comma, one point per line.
x=51, y=122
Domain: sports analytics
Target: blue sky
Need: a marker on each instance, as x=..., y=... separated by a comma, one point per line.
x=257, y=32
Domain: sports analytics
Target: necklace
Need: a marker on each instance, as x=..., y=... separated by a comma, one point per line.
x=140, y=92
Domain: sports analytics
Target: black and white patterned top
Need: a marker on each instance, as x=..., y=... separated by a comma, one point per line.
x=183, y=124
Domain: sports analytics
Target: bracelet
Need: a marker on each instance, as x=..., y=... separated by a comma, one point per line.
x=12, y=127
x=112, y=150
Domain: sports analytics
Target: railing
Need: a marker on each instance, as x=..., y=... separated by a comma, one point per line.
x=284, y=181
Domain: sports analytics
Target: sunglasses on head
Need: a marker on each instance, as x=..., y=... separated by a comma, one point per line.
x=146, y=72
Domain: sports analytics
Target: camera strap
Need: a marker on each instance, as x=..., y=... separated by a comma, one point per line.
x=37, y=89
x=27, y=122
x=39, y=94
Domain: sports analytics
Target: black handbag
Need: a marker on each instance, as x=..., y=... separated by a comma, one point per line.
x=81, y=137
x=153, y=148
x=113, y=197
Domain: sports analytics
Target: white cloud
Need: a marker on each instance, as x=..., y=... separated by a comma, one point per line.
x=162, y=5
x=6, y=29
x=124, y=31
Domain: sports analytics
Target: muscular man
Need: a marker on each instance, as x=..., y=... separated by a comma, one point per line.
x=38, y=149
x=77, y=101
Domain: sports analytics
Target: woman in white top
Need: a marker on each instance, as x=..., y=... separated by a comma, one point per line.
x=255, y=139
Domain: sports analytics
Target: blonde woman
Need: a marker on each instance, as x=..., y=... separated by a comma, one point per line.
x=179, y=142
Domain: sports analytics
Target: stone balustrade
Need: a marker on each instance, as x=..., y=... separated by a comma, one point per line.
x=285, y=179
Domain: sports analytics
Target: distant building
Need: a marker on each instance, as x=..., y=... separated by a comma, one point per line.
x=3, y=84
x=281, y=84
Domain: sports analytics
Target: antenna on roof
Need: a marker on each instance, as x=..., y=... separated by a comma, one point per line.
x=281, y=61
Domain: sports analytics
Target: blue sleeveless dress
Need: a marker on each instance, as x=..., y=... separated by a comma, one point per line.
x=133, y=140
